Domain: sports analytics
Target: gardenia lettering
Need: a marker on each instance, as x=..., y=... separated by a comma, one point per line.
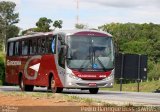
x=13, y=62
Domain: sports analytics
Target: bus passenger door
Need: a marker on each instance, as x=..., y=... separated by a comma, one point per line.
x=61, y=60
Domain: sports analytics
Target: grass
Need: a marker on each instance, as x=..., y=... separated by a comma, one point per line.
x=144, y=87
x=88, y=101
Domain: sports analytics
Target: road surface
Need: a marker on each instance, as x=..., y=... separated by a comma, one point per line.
x=119, y=98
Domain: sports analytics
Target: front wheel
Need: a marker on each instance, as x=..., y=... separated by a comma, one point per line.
x=93, y=90
x=55, y=89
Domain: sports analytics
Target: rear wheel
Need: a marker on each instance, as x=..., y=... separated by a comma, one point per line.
x=55, y=89
x=24, y=87
x=93, y=90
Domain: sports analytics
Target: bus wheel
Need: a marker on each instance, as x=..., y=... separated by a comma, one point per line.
x=24, y=87
x=93, y=90
x=21, y=84
x=55, y=89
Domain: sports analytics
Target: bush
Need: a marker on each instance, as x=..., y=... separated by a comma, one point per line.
x=2, y=69
x=0, y=82
x=154, y=73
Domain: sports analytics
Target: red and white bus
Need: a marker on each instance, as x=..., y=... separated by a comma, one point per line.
x=75, y=59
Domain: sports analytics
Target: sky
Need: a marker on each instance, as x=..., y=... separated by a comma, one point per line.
x=93, y=13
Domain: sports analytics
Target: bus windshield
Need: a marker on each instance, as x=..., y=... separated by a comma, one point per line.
x=90, y=53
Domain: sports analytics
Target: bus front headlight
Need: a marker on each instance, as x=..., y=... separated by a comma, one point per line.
x=110, y=77
x=71, y=75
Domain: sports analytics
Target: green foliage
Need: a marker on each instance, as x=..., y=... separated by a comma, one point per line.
x=58, y=24
x=150, y=86
x=154, y=73
x=136, y=47
x=2, y=68
x=8, y=18
x=81, y=26
x=0, y=82
x=138, y=39
x=7, y=13
x=43, y=24
x=12, y=31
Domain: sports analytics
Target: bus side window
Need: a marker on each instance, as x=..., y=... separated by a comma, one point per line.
x=31, y=47
x=39, y=45
x=24, y=47
x=43, y=42
x=10, y=48
x=16, y=48
x=50, y=45
x=34, y=44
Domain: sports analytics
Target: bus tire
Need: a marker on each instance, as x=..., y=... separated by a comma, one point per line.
x=24, y=87
x=55, y=89
x=93, y=90
x=21, y=83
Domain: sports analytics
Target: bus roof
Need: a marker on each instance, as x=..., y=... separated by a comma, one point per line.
x=65, y=32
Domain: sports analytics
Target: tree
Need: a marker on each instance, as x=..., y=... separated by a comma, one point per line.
x=57, y=24
x=114, y=29
x=12, y=31
x=43, y=24
x=138, y=39
x=81, y=26
x=8, y=17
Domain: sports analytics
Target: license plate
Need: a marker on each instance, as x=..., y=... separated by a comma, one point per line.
x=92, y=84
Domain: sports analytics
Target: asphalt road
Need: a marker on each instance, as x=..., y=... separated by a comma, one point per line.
x=119, y=98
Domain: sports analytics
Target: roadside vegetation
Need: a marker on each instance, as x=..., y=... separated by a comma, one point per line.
x=135, y=38
x=0, y=82
x=150, y=86
x=2, y=68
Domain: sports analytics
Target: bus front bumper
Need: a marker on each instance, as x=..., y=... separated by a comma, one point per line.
x=80, y=83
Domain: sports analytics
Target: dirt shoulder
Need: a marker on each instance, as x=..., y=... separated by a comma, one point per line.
x=50, y=102
x=37, y=99
x=41, y=102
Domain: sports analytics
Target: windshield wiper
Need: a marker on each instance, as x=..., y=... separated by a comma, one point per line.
x=89, y=56
x=81, y=67
x=101, y=64
x=103, y=67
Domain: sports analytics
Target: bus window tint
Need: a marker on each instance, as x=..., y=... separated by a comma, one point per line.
x=43, y=41
x=32, y=46
x=16, y=48
x=11, y=45
x=24, y=47
x=39, y=45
